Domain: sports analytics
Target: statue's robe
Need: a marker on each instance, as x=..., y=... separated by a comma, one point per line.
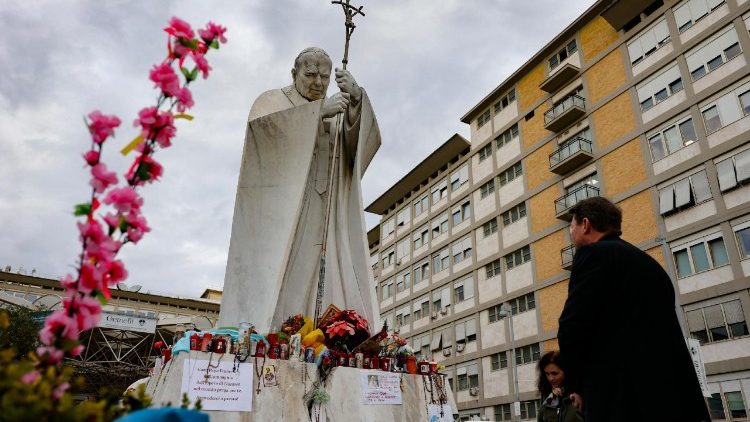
x=277, y=231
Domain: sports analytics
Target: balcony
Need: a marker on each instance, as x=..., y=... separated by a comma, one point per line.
x=559, y=78
x=570, y=155
x=564, y=113
x=566, y=254
x=565, y=203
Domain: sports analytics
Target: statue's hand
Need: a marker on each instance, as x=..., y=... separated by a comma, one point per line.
x=347, y=84
x=335, y=104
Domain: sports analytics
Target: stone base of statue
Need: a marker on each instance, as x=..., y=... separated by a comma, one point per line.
x=288, y=396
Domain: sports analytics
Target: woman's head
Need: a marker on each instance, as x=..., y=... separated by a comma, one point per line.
x=551, y=372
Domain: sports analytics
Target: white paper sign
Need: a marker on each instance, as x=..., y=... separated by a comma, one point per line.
x=434, y=410
x=694, y=346
x=127, y=322
x=380, y=387
x=224, y=389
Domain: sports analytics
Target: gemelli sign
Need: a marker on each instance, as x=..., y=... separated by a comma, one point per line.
x=127, y=322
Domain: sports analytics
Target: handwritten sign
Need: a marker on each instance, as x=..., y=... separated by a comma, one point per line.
x=381, y=387
x=224, y=388
x=438, y=413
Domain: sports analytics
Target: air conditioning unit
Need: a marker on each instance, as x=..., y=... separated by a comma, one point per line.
x=447, y=351
x=474, y=391
x=434, y=315
x=398, y=262
x=460, y=347
x=444, y=311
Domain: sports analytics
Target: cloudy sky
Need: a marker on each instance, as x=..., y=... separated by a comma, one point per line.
x=424, y=64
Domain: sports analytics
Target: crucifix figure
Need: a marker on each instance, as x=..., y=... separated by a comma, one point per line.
x=299, y=199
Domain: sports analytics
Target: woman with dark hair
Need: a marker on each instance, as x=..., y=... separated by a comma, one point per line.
x=556, y=403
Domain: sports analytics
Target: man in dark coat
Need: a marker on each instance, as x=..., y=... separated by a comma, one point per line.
x=619, y=333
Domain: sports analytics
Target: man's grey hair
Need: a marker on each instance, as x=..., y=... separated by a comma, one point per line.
x=310, y=50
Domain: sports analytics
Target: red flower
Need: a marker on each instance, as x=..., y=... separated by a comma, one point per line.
x=339, y=329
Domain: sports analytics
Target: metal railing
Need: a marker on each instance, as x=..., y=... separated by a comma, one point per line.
x=562, y=106
x=566, y=202
x=566, y=255
x=568, y=148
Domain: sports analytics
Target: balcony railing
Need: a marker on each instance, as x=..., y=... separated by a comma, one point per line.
x=571, y=154
x=564, y=113
x=565, y=203
x=559, y=77
x=566, y=256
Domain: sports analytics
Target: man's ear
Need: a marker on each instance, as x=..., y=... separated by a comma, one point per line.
x=587, y=228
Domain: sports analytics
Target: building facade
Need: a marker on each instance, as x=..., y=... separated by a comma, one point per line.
x=643, y=102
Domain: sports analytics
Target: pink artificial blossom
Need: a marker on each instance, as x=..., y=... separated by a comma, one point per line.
x=91, y=278
x=165, y=78
x=103, y=251
x=58, y=322
x=91, y=230
x=137, y=226
x=179, y=28
x=157, y=125
x=150, y=170
x=50, y=353
x=124, y=199
x=102, y=126
x=184, y=99
x=112, y=220
x=116, y=272
x=76, y=350
x=60, y=390
x=202, y=64
x=212, y=32
x=101, y=179
x=85, y=309
x=91, y=157
x=68, y=281
x=30, y=378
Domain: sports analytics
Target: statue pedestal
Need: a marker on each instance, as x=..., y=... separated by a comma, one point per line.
x=287, y=402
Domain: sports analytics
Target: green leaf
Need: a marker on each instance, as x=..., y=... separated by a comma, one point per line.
x=193, y=74
x=214, y=44
x=101, y=298
x=185, y=72
x=191, y=44
x=143, y=172
x=82, y=209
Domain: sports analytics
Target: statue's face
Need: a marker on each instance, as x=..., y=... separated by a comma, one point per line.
x=312, y=76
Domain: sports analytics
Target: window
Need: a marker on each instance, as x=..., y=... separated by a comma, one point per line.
x=466, y=331
x=421, y=308
x=689, y=12
x=461, y=250
x=717, y=322
x=493, y=314
x=684, y=193
x=403, y=217
x=514, y=214
x=716, y=406
x=440, y=225
x=441, y=299
x=528, y=409
x=508, y=175
x=387, y=289
x=506, y=137
x=463, y=289
x=461, y=213
x=563, y=54
x=736, y=404
x=440, y=191
x=403, y=316
x=493, y=268
x=743, y=241
x=522, y=304
x=710, y=54
x=402, y=250
x=527, y=354
x=660, y=87
x=648, y=41
x=440, y=261
x=485, y=152
x=468, y=377
x=388, y=227
x=460, y=177
x=486, y=189
x=403, y=281
x=421, y=205
x=518, y=257
x=421, y=271
x=483, y=118
x=389, y=257
x=505, y=101
x=420, y=237
x=489, y=227
x=502, y=412
x=727, y=109
x=441, y=338
x=672, y=138
x=702, y=255
x=421, y=346
x=734, y=171
x=499, y=361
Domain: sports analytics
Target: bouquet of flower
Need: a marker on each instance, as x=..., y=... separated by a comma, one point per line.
x=391, y=345
x=293, y=324
x=346, y=330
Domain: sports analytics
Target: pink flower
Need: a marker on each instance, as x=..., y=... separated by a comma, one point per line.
x=137, y=227
x=179, y=28
x=91, y=157
x=91, y=278
x=68, y=281
x=86, y=310
x=184, y=99
x=58, y=392
x=202, y=64
x=102, y=251
x=101, y=179
x=156, y=125
x=116, y=272
x=91, y=230
x=112, y=220
x=101, y=126
x=30, y=378
x=124, y=199
x=58, y=323
x=50, y=354
x=76, y=350
x=212, y=32
x=165, y=78
x=149, y=170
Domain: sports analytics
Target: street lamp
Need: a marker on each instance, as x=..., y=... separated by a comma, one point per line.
x=505, y=311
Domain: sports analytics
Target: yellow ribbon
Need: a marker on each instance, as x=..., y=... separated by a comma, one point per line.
x=138, y=139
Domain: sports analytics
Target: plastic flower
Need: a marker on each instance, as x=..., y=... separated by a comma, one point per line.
x=137, y=226
x=165, y=79
x=179, y=28
x=124, y=199
x=86, y=311
x=91, y=278
x=102, y=126
x=60, y=322
x=213, y=32
x=149, y=170
x=50, y=354
x=157, y=125
x=101, y=179
x=115, y=272
x=91, y=157
x=339, y=329
x=202, y=64
x=30, y=378
x=184, y=99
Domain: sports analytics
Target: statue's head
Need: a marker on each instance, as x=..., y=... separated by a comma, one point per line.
x=312, y=73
